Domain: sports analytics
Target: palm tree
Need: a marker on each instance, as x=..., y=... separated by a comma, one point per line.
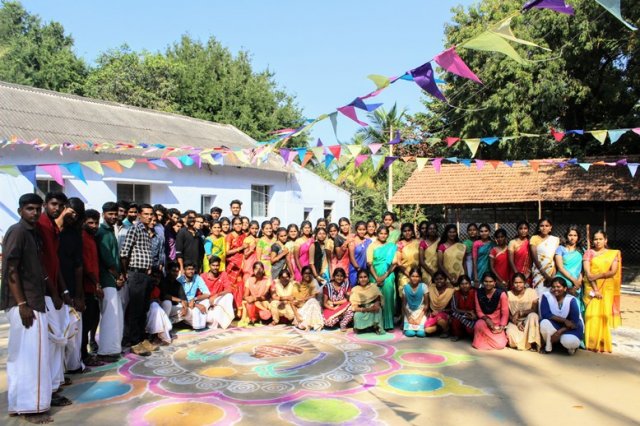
x=381, y=124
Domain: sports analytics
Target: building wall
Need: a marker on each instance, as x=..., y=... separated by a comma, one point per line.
x=290, y=194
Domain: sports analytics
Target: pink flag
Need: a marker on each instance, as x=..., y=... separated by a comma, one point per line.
x=636, y=130
x=374, y=147
x=335, y=150
x=437, y=163
x=360, y=159
x=350, y=111
x=451, y=140
x=557, y=135
x=450, y=61
x=54, y=171
x=480, y=164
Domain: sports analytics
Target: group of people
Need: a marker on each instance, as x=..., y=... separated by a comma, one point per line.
x=81, y=286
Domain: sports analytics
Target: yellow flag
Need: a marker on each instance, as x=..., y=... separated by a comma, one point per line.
x=127, y=163
x=421, y=162
x=95, y=166
x=10, y=170
x=354, y=149
x=503, y=29
x=473, y=145
x=489, y=41
x=600, y=135
x=379, y=80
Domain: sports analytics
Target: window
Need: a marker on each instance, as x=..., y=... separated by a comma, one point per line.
x=328, y=210
x=206, y=202
x=134, y=192
x=44, y=186
x=306, y=214
x=260, y=200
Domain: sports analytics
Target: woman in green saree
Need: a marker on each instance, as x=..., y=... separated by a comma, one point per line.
x=568, y=260
x=381, y=259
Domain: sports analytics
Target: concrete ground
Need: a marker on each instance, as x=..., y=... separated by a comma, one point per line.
x=279, y=375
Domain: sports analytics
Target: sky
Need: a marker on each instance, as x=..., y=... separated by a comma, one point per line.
x=320, y=52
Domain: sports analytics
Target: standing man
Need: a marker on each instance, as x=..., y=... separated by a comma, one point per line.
x=235, y=207
x=136, y=258
x=216, y=212
x=189, y=244
x=128, y=222
x=91, y=285
x=123, y=207
x=111, y=280
x=22, y=294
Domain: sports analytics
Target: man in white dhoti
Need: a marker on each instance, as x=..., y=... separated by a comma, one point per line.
x=197, y=295
x=175, y=301
x=22, y=295
x=220, y=313
x=111, y=279
x=158, y=323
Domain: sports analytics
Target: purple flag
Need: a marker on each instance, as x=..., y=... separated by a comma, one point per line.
x=396, y=139
x=359, y=103
x=424, y=77
x=388, y=161
x=556, y=5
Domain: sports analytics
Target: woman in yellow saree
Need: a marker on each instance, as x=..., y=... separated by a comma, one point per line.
x=428, y=250
x=602, y=282
x=408, y=253
x=451, y=254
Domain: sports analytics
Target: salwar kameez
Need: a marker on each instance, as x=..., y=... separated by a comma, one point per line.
x=523, y=339
x=341, y=313
x=497, y=310
x=366, y=297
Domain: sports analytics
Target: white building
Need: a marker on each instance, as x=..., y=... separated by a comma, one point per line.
x=269, y=189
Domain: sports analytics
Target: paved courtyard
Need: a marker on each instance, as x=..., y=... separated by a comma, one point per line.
x=280, y=375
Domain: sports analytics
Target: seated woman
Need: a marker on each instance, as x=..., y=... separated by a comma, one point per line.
x=463, y=309
x=415, y=303
x=221, y=296
x=282, y=298
x=197, y=295
x=366, y=303
x=492, y=308
x=561, y=321
x=256, y=297
x=440, y=295
x=336, y=301
x=523, y=331
x=158, y=323
x=306, y=308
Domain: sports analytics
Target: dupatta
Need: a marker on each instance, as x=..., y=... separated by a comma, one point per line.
x=365, y=295
x=453, y=257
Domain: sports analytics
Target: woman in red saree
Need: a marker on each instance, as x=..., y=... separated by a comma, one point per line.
x=518, y=251
x=499, y=259
x=235, y=258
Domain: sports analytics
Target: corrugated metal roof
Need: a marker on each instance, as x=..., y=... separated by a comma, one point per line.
x=458, y=184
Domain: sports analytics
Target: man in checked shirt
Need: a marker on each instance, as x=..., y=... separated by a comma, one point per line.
x=137, y=262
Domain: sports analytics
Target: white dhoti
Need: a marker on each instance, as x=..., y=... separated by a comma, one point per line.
x=123, y=294
x=196, y=319
x=158, y=321
x=28, y=367
x=568, y=341
x=541, y=289
x=58, y=321
x=221, y=313
x=111, y=323
x=72, y=355
x=172, y=311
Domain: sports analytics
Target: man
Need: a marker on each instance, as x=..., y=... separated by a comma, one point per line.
x=70, y=254
x=111, y=280
x=215, y=212
x=128, y=222
x=57, y=295
x=22, y=293
x=189, y=244
x=197, y=304
x=123, y=207
x=91, y=285
x=173, y=216
x=235, y=207
x=157, y=247
x=175, y=301
x=136, y=258
x=220, y=312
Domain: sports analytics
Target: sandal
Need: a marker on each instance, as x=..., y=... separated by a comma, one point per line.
x=67, y=381
x=35, y=418
x=60, y=401
x=92, y=361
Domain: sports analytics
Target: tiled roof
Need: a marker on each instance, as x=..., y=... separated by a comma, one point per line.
x=458, y=184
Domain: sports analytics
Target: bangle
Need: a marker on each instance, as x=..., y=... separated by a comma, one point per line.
x=22, y=303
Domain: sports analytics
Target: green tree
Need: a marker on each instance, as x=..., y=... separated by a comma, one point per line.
x=37, y=54
x=589, y=80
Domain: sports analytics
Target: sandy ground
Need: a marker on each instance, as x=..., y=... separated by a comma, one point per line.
x=630, y=310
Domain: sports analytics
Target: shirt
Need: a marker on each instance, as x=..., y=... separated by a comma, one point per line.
x=50, y=234
x=107, y=254
x=170, y=242
x=137, y=247
x=192, y=287
x=22, y=242
x=157, y=249
x=190, y=248
x=217, y=284
x=70, y=255
x=122, y=231
x=173, y=288
x=90, y=262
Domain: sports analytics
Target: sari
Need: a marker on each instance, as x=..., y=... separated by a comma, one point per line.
x=523, y=340
x=394, y=236
x=381, y=257
x=303, y=255
x=546, y=249
x=521, y=257
x=468, y=257
x=360, y=254
x=344, y=261
x=601, y=315
x=439, y=301
x=280, y=308
x=258, y=310
x=320, y=259
x=501, y=263
x=291, y=245
x=365, y=297
x=310, y=313
x=247, y=266
x=234, y=267
x=214, y=247
x=453, y=257
x=481, y=252
x=414, y=300
x=572, y=262
x=341, y=313
x=264, y=246
x=409, y=258
x=495, y=308
x=430, y=259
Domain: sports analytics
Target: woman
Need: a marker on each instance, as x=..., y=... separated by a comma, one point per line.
x=561, y=320
x=246, y=223
x=215, y=245
x=250, y=256
x=301, y=252
x=358, y=252
x=381, y=260
x=492, y=309
x=523, y=331
x=322, y=223
x=340, y=253
x=389, y=220
x=256, y=297
x=499, y=259
x=345, y=228
x=275, y=222
x=225, y=226
x=263, y=246
x=543, y=249
x=603, y=279
x=472, y=237
x=292, y=236
x=408, y=253
x=279, y=253
x=428, y=255
x=463, y=309
x=481, y=250
x=569, y=264
x=518, y=250
x=451, y=254
x=367, y=304
x=440, y=295
x=282, y=298
x=320, y=256
x=337, y=308
x=306, y=309
x=415, y=303
x=372, y=227
x=235, y=257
